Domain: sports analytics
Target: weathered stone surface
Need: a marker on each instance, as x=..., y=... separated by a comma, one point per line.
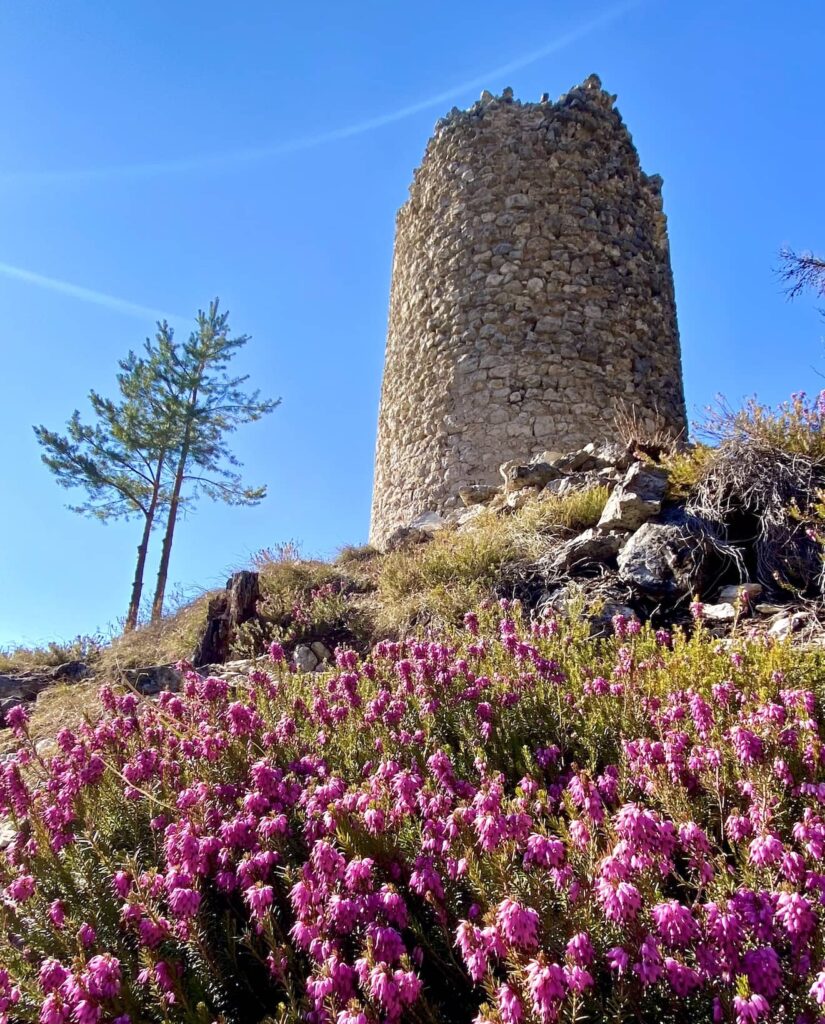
x=153, y=678
x=744, y=592
x=664, y=559
x=428, y=522
x=404, y=537
x=531, y=299
x=589, y=547
x=533, y=474
x=599, y=607
x=636, y=499
x=723, y=612
x=321, y=651
x=305, y=659
x=228, y=610
x=476, y=494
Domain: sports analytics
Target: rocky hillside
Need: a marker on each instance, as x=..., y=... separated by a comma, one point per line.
x=651, y=530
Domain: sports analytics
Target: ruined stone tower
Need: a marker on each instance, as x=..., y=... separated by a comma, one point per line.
x=532, y=298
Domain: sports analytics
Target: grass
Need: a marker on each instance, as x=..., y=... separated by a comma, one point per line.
x=172, y=638
x=437, y=582
x=50, y=655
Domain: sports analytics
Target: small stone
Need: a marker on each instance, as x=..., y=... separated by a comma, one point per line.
x=723, y=612
x=534, y=474
x=788, y=624
x=428, y=522
x=321, y=651
x=304, y=658
x=477, y=494
x=745, y=592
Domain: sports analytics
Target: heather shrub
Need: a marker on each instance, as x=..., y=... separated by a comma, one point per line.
x=508, y=823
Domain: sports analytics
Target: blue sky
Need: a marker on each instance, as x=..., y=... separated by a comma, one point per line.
x=160, y=154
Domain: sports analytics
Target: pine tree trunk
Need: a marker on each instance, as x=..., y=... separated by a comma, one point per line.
x=137, y=583
x=143, y=549
x=166, y=549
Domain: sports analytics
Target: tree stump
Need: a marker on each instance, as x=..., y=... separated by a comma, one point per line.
x=228, y=610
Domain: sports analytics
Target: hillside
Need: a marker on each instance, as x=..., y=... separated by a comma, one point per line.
x=554, y=755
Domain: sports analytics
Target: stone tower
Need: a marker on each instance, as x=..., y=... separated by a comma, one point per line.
x=532, y=299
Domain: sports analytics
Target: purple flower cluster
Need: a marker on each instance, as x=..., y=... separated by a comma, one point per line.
x=515, y=824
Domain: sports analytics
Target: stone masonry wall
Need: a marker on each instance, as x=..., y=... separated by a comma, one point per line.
x=532, y=298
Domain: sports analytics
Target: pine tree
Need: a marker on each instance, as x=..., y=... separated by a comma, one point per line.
x=205, y=404
x=120, y=459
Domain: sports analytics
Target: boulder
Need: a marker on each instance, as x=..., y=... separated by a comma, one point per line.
x=598, y=607
x=517, y=499
x=477, y=494
x=532, y=474
x=724, y=612
x=428, y=522
x=469, y=515
x=405, y=537
x=321, y=651
x=665, y=559
x=636, y=499
x=304, y=658
x=153, y=679
x=588, y=548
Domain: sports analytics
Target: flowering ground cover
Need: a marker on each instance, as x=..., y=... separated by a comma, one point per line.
x=509, y=823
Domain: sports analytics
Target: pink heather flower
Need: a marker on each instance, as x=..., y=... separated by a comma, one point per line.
x=21, y=889
x=52, y=974
x=675, y=924
x=543, y=851
x=259, y=898
x=763, y=970
x=765, y=850
x=546, y=985
x=17, y=719
x=580, y=949
x=817, y=990
x=121, y=882
x=620, y=902
x=184, y=902
x=618, y=960
x=276, y=652
x=351, y=1017
x=795, y=915
x=750, y=1009
x=649, y=967
x=54, y=1010
x=577, y=978
x=681, y=978
x=86, y=934
x=102, y=976
x=57, y=914
x=518, y=924
x=471, y=623
x=509, y=1005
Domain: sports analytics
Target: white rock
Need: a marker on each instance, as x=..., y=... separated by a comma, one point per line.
x=304, y=658
x=428, y=522
x=719, y=612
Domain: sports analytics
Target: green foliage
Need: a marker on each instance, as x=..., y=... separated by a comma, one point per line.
x=83, y=648
x=792, y=428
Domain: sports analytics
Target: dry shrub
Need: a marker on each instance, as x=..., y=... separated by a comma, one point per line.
x=646, y=431
x=761, y=488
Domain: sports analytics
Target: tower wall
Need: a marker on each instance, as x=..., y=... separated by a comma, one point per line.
x=532, y=299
